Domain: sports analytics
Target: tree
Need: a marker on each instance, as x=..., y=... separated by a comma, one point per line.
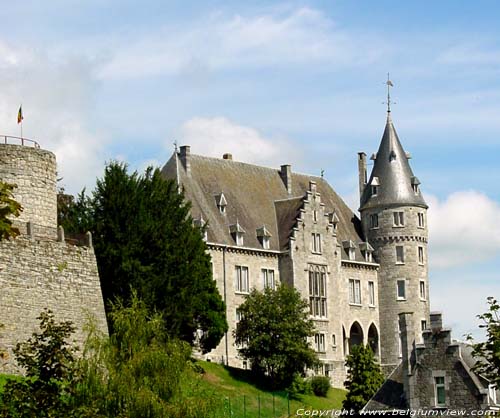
x=8, y=208
x=51, y=373
x=364, y=377
x=487, y=352
x=273, y=332
x=145, y=240
x=74, y=216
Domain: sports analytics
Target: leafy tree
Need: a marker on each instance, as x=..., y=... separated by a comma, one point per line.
x=273, y=333
x=144, y=239
x=364, y=377
x=74, y=215
x=487, y=352
x=320, y=385
x=51, y=373
x=8, y=208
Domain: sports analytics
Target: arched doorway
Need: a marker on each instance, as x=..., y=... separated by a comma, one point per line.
x=373, y=339
x=355, y=335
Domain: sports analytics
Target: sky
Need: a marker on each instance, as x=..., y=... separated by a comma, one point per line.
x=298, y=82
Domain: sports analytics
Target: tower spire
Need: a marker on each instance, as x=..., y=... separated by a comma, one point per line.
x=389, y=85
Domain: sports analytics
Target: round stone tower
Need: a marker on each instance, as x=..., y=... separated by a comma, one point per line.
x=33, y=171
x=394, y=218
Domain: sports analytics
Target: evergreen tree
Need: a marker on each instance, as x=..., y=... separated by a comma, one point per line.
x=145, y=240
x=273, y=332
x=8, y=208
x=487, y=352
x=364, y=377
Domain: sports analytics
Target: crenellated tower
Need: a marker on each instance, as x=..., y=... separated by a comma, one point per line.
x=394, y=218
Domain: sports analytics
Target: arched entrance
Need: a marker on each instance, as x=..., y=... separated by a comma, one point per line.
x=373, y=339
x=355, y=335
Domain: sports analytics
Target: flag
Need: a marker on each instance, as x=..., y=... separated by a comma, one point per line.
x=20, y=115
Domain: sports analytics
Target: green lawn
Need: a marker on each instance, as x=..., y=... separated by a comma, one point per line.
x=243, y=398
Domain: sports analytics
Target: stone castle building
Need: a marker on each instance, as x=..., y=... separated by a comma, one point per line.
x=40, y=268
x=267, y=226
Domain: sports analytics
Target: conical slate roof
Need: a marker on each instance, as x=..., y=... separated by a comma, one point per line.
x=392, y=175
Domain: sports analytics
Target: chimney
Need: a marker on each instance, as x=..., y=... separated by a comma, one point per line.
x=286, y=176
x=436, y=321
x=227, y=156
x=361, y=172
x=184, y=156
x=407, y=333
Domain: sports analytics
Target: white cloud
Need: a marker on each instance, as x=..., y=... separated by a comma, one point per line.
x=303, y=36
x=464, y=228
x=57, y=96
x=217, y=136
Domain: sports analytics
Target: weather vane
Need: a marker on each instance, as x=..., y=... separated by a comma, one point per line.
x=175, y=145
x=389, y=85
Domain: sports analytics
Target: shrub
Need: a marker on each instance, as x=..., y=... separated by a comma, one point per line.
x=320, y=385
x=299, y=386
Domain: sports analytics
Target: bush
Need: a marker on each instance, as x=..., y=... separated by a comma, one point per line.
x=320, y=385
x=299, y=386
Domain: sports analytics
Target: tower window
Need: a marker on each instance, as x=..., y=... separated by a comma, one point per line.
x=421, y=255
x=315, y=215
x=423, y=325
x=373, y=221
x=401, y=289
x=316, y=243
x=439, y=390
x=371, y=293
x=421, y=220
x=374, y=190
x=422, y=290
x=400, y=254
x=317, y=292
x=355, y=292
x=399, y=218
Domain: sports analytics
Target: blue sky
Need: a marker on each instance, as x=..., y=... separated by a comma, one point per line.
x=298, y=82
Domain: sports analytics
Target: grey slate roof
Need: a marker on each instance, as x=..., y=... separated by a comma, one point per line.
x=390, y=395
x=256, y=196
x=393, y=172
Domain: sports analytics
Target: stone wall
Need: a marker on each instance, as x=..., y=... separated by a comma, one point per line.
x=33, y=171
x=37, y=274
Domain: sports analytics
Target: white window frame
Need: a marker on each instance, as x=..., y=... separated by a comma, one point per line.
x=266, y=243
x=421, y=220
x=316, y=242
x=398, y=219
x=422, y=290
x=320, y=342
x=421, y=257
x=268, y=278
x=371, y=293
x=437, y=386
x=398, y=297
x=400, y=260
x=354, y=292
x=242, y=282
x=239, y=238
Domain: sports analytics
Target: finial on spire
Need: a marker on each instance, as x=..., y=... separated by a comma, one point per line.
x=175, y=145
x=389, y=85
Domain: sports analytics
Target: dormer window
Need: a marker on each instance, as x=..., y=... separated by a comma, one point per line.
x=334, y=220
x=366, y=251
x=350, y=249
x=221, y=202
x=203, y=225
x=237, y=232
x=374, y=186
x=264, y=237
x=415, y=184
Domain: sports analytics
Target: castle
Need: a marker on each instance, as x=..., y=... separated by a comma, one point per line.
x=266, y=226
x=41, y=268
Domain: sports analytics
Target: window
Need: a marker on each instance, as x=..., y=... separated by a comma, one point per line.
x=399, y=218
x=423, y=324
x=439, y=390
x=400, y=254
x=265, y=243
x=319, y=343
x=316, y=243
x=317, y=292
x=268, y=278
x=421, y=220
x=355, y=291
x=401, y=289
x=367, y=255
x=400, y=342
x=242, y=279
x=422, y=290
x=421, y=255
x=221, y=203
x=374, y=190
x=374, y=221
x=371, y=293
x=334, y=341
x=238, y=315
x=315, y=215
x=492, y=393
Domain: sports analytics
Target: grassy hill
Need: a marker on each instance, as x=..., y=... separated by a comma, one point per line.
x=243, y=398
